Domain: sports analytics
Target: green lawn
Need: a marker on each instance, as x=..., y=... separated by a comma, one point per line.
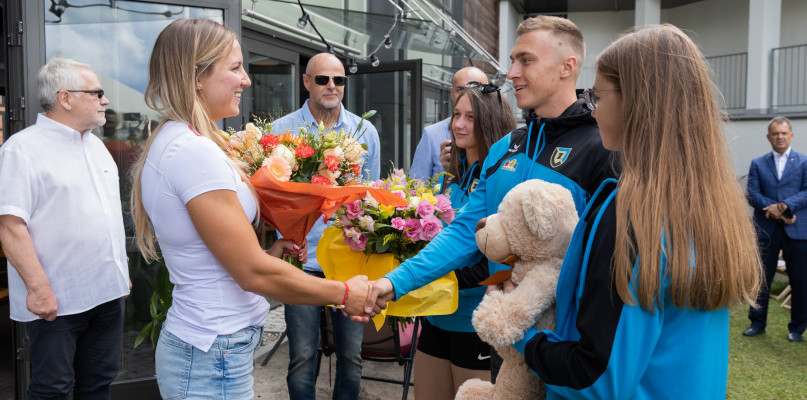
x=766, y=366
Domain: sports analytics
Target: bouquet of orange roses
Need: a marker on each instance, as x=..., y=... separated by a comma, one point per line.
x=299, y=178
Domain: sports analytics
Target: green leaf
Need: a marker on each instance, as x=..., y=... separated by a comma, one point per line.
x=143, y=333
x=153, y=305
x=368, y=114
x=381, y=246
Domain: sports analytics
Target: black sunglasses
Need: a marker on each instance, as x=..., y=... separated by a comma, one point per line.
x=99, y=92
x=322, y=80
x=486, y=88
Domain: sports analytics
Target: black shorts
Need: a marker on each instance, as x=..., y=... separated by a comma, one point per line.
x=463, y=349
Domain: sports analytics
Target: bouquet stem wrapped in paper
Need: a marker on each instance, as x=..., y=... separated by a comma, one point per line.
x=339, y=262
x=293, y=207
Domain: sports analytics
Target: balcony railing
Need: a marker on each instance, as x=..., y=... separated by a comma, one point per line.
x=730, y=76
x=789, y=76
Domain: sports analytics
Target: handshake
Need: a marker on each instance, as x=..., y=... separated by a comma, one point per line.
x=366, y=298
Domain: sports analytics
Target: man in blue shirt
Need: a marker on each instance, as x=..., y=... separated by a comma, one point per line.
x=426, y=162
x=325, y=81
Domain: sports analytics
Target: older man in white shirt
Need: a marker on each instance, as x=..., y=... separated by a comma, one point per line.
x=62, y=231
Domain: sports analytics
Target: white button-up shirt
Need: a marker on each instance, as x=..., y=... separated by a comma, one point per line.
x=780, y=161
x=65, y=187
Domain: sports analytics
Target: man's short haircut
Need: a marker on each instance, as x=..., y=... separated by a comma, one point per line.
x=780, y=119
x=560, y=27
x=58, y=74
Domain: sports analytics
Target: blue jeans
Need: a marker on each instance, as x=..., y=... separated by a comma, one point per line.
x=79, y=352
x=223, y=372
x=302, y=326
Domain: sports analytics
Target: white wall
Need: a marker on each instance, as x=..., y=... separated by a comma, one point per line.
x=599, y=30
x=718, y=26
x=794, y=28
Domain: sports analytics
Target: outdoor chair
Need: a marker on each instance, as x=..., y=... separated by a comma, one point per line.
x=392, y=345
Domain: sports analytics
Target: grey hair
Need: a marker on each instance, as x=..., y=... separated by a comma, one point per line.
x=58, y=74
x=779, y=119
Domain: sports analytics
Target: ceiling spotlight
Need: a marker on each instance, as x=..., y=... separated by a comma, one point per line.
x=387, y=42
x=374, y=60
x=353, y=68
x=330, y=49
x=303, y=21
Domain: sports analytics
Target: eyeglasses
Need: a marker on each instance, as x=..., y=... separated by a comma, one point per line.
x=322, y=80
x=591, y=97
x=99, y=92
x=485, y=88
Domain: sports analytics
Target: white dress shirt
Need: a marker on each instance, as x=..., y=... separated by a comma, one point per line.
x=207, y=300
x=780, y=161
x=64, y=185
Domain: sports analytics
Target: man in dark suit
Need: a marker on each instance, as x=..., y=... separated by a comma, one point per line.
x=777, y=189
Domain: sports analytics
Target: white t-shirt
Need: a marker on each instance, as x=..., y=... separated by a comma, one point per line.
x=65, y=187
x=207, y=301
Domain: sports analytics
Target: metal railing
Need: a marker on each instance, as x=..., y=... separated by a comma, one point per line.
x=789, y=76
x=730, y=76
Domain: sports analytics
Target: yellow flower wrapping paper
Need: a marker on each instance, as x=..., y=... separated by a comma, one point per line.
x=341, y=263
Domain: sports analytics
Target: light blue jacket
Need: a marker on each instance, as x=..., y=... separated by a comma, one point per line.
x=347, y=121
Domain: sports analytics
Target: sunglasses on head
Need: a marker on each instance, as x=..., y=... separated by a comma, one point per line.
x=485, y=88
x=322, y=80
x=99, y=92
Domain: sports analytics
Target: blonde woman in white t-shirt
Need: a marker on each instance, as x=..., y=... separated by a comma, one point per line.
x=200, y=207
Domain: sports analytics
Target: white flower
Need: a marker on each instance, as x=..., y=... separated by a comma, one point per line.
x=253, y=132
x=352, y=149
x=370, y=201
x=283, y=151
x=336, y=152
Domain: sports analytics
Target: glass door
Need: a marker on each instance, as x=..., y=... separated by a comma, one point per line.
x=274, y=75
x=399, y=117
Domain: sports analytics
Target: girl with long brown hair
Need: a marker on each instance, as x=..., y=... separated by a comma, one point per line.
x=660, y=255
x=199, y=204
x=450, y=351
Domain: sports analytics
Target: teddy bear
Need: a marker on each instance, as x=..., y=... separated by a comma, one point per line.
x=531, y=232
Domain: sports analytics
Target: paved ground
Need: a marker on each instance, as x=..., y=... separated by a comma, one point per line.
x=270, y=380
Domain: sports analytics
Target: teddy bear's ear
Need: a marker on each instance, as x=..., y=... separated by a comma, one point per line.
x=544, y=204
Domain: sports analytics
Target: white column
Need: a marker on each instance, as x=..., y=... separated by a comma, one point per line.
x=763, y=35
x=508, y=22
x=647, y=12
x=509, y=18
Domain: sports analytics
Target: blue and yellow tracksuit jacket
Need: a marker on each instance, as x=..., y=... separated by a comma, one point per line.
x=458, y=190
x=566, y=150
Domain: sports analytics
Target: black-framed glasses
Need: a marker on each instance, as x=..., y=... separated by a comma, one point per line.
x=590, y=95
x=322, y=80
x=99, y=92
x=485, y=88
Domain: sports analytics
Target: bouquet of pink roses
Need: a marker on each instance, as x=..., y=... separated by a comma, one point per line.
x=372, y=239
x=375, y=228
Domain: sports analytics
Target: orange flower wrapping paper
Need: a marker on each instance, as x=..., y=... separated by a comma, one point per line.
x=341, y=263
x=293, y=207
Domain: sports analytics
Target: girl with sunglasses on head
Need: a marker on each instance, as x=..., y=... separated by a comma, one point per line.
x=200, y=205
x=659, y=256
x=450, y=351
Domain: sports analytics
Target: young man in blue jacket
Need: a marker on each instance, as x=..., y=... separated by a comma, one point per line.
x=560, y=143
